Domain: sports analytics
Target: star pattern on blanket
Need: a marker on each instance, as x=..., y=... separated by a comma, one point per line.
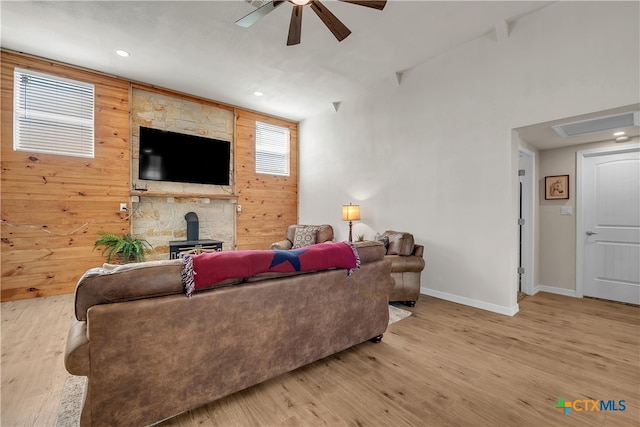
x=292, y=257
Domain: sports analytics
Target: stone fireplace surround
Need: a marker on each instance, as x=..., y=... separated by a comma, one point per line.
x=161, y=219
x=157, y=214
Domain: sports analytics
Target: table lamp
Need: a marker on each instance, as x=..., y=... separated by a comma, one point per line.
x=350, y=213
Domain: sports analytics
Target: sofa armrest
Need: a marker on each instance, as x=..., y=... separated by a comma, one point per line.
x=282, y=245
x=418, y=250
x=406, y=264
x=76, y=355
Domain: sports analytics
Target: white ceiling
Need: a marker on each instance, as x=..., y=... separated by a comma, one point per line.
x=195, y=47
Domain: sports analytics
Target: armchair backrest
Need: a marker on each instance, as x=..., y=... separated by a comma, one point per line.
x=400, y=243
x=324, y=232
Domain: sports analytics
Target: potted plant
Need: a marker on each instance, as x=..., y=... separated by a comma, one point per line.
x=124, y=249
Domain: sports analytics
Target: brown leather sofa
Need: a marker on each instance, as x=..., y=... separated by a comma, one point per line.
x=320, y=234
x=149, y=352
x=407, y=263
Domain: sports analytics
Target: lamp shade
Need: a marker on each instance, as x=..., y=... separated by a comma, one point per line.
x=350, y=212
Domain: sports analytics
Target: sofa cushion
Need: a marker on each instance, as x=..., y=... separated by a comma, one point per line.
x=304, y=236
x=369, y=251
x=400, y=243
x=111, y=283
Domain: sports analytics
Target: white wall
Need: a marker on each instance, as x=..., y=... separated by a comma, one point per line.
x=435, y=157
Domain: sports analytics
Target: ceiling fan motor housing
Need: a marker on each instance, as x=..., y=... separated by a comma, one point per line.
x=337, y=28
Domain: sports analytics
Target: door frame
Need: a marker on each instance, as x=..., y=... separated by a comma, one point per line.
x=580, y=228
x=528, y=214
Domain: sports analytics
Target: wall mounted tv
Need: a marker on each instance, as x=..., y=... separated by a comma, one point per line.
x=177, y=157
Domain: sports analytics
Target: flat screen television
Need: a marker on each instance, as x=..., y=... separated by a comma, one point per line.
x=177, y=157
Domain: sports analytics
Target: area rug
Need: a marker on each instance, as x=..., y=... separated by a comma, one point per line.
x=71, y=402
x=397, y=314
x=73, y=390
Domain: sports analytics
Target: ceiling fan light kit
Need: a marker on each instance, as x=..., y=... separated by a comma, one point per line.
x=337, y=28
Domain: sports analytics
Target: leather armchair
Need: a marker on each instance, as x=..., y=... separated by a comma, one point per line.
x=323, y=233
x=407, y=263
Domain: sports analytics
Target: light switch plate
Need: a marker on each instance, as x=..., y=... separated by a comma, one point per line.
x=566, y=210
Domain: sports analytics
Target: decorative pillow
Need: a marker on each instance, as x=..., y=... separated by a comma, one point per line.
x=304, y=236
x=384, y=240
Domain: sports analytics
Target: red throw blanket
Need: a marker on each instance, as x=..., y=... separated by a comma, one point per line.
x=207, y=269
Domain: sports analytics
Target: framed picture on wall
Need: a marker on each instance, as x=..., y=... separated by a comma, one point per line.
x=556, y=187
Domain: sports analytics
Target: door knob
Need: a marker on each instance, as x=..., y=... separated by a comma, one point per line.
x=589, y=233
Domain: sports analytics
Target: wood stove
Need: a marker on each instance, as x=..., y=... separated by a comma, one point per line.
x=177, y=247
x=193, y=244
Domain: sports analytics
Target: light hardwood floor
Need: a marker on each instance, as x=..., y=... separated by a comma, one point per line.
x=447, y=365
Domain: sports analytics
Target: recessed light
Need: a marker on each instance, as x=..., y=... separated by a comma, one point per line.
x=122, y=52
x=619, y=133
x=258, y=93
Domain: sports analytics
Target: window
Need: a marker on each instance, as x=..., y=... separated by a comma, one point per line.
x=272, y=149
x=52, y=115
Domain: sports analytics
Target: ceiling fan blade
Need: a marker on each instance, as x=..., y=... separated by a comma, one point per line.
x=253, y=17
x=333, y=24
x=373, y=4
x=295, y=27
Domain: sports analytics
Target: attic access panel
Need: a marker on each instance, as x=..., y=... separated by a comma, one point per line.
x=599, y=124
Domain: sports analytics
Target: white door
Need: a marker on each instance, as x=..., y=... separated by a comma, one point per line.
x=609, y=232
x=527, y=202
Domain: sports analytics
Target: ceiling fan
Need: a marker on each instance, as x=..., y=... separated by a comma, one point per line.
x=339, y=30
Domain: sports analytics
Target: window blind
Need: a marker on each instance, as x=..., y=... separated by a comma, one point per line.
x=53, y=115
x=272, y=149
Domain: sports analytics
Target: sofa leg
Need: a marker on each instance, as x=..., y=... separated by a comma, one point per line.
x=410, y=303
x=377, y=339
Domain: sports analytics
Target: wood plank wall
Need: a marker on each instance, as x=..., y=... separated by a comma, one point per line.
x=52, y=206
x=269, y=203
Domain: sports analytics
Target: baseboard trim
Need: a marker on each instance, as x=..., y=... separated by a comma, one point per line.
x=507, y=311
x=555, y=290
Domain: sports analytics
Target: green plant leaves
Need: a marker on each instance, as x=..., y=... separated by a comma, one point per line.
x=126, y=247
